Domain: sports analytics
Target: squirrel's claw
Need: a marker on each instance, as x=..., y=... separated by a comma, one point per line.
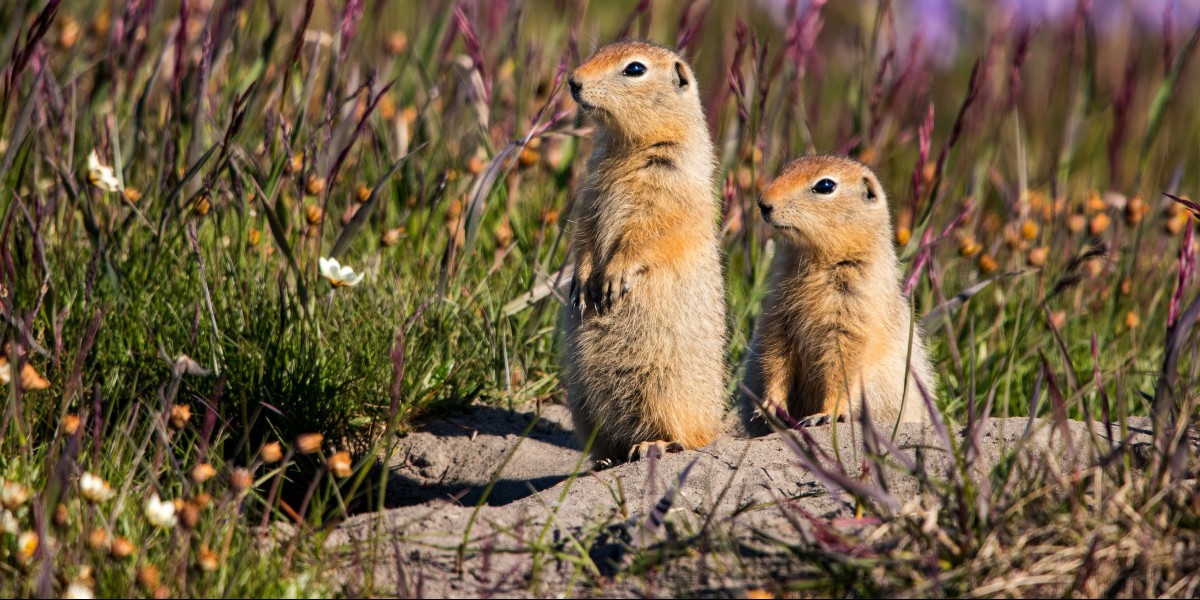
x=816, y=420
x=643, y=449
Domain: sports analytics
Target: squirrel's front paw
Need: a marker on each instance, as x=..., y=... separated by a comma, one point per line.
x=578, y=296
x=615, y=283
x=818, y=420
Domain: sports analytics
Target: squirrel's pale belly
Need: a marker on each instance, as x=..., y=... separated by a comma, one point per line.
x=653, y=367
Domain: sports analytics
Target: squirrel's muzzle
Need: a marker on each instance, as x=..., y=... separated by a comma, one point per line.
x=576, y=87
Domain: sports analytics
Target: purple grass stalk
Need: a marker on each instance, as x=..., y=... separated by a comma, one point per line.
x=728, y=202
x=351, y=15
x=23, y=52
x=75, y=379
x=924, y=142
x=1035, y=398
x=737, y=85
x=269, y=505
x=1058, y=403
x=180, y=48
x=474, y=50
x=1122, y=102
x=885, y=65
x=929, y=243
x=642, y=11
x=294, y=54
x=801, y=37
x=1187, y=262
x=872, y=445
x=837, y=479
x=1020, y=54
x=658, y=515
x=690, y=23
x=1104, y=411
x=826, y=537
x=975, y=84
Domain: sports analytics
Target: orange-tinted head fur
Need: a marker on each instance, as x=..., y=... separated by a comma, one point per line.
x=657, y=100
x=828, y=203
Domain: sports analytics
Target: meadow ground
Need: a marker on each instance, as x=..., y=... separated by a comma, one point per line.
x=182, y=375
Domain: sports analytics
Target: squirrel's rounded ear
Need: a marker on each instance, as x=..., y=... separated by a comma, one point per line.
x=872, y=191
x=681, y=78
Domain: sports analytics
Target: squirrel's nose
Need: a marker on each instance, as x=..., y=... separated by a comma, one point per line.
x=765, y=208
x=576, y=87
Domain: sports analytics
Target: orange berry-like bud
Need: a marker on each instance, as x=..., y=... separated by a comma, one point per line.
x=1037, y=256
x=240, y=480
x=339, y=465
x=309, y=443
x=987, y=264
x=122, y=548
x=397, y=43
x=203, y=472
x=180, y=415
x=313, y=214
x=1076, y=223
x=271, y=453
x=1132, y=320
x=969, y=247
x=206, y=559
x=70, y=424
x=314, y=186
x=1029, y=230
x=1098, y=224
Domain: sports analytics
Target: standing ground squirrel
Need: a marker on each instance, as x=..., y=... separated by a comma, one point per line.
x=835, y=323
x=644, y=332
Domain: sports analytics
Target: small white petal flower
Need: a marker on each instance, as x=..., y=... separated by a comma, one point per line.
x=338, y=275
x=160, y=513
x=94, y=489
x=13, y=495
x=78, y=591
x=8, y=522
x=101, y=176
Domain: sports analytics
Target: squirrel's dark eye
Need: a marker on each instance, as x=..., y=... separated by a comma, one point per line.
x=825, y=186
x=634, y=69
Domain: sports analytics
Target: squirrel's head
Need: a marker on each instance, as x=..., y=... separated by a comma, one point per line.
x=637, y=90
x=825, y=202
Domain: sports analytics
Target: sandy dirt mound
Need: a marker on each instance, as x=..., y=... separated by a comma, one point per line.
x=543, y=520
x=454, y=458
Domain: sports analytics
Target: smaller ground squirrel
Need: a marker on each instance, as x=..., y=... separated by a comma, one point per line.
x=835, y=322
x=644, y=332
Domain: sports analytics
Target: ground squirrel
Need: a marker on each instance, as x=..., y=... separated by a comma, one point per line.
x=644, y=330
x=835, y=323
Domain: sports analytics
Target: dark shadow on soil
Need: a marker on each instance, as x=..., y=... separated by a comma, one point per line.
x=500, y=422
x=453, y=458
x=406, y=491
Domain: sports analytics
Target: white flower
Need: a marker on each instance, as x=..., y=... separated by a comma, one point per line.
x=101, y=176
x=13, y=495
x=8, y=522
x=160, y=514
x=338, y=274
x=94, y=489
x=78, y=591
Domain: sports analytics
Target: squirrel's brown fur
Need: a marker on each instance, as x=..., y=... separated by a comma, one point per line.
x=644, y=332
x=835, y=323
